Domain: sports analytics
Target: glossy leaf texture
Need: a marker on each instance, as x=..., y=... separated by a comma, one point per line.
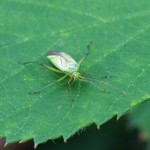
x=120, y=31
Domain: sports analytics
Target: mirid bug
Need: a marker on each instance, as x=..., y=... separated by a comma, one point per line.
x=65, y=64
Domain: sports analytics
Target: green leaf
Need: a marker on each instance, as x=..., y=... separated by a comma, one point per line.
x=120, y=31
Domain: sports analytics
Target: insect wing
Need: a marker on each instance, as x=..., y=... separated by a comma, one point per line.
x=63, y=61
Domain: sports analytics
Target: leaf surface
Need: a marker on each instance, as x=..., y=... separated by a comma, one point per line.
x=120, y=31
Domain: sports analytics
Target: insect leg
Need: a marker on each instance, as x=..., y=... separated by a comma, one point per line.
x=36, y=91
x=64, y=96
x=70, y=82
x=85, y=56
x=43, y=65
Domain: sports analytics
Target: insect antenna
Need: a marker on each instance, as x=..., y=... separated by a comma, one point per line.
x=97, y=74
x=91, y=82
x=105, y=83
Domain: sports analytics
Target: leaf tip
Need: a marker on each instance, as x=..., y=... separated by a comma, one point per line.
x=5, y=144
x=98, y=127
x=65, y=140
x=35, y=145
x=117, y=117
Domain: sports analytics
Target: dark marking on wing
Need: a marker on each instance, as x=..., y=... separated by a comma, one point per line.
x=53, y=53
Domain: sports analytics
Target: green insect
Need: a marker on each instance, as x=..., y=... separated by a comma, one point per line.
x=65, y=64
